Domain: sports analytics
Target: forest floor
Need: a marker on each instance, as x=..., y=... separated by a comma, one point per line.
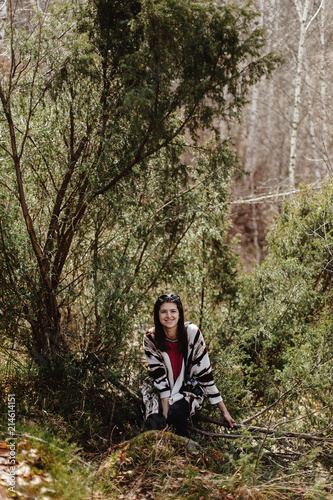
x=152, y=465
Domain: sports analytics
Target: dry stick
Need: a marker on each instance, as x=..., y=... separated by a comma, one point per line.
x=279, y=398
x=290, y=435
x=262, y=198
x=274, y=402
x=265, y=430
x=268, y=407
x=257, y=353
x=225, y=436
x=287, y=476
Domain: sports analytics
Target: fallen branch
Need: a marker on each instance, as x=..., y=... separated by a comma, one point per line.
x=279, y=435
x=259, y=199
x=225, y=436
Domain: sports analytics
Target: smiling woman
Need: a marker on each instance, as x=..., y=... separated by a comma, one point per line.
x=179, y=369
x=169, y=316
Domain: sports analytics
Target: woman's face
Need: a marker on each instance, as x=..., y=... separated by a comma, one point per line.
x=169, y=315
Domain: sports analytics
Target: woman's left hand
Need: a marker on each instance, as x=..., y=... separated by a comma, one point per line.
x=226, y=415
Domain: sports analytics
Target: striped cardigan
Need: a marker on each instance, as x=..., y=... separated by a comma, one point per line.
x=160, y=370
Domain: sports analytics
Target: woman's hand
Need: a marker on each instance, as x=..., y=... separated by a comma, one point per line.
x=165, y=407
x=226, y=415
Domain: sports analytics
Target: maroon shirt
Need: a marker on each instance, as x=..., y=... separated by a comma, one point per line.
x=176, y=357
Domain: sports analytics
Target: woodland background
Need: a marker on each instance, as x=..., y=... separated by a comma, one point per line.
x=169, y=146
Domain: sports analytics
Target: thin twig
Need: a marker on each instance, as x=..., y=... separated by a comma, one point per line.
x=268, y=407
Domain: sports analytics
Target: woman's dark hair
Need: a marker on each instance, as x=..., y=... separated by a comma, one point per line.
x=159, y=331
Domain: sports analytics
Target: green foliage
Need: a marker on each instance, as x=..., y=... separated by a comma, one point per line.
x=289, y=296
x=277, y=344
x=111, y=150
x=105, y=100
x=115, y=181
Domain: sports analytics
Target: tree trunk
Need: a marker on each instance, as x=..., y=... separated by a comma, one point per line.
x=250, y=166
x=302, y=11
x=47, y=342
x=46, y=321
x=302, y=14
x=312, y=127
x=323, y=95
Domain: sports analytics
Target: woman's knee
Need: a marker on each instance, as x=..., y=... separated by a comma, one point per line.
x=180, y=409
x=155, y=422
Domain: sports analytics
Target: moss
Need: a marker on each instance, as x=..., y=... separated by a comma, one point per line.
x=161, y=464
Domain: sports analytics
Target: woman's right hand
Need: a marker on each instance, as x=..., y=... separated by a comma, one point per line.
x=165, y=407
x=226, y=415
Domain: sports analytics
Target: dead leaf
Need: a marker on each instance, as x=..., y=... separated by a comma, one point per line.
x=36, y=481
x=3, y=494
x=23, y=470
x=4, y=460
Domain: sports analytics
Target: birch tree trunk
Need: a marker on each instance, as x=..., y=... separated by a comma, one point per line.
x=302, y=11
x=312, y=131
x=271, y=25
x=323, y=90
x=250, y=165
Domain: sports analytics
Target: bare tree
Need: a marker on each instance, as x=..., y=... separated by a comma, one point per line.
x=305, y=21
x=293, y=134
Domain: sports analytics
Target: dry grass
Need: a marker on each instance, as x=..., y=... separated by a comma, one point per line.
x=157, y=465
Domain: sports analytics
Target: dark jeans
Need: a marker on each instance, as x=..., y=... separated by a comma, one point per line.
x=177, y=418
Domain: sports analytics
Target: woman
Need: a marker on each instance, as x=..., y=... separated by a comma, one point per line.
x=179, y=368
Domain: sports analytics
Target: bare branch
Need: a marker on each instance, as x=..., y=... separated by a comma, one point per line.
x=170, y=255
x=314, y=15
x=6, y=150
x=269, y=196
x=127, y=169
x=277, y=434
x=32, y=90
x=31, y=231
x=269, y=407
x=61, y=193
x=7, y=187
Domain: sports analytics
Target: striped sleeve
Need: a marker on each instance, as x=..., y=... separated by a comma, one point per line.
x=156, y=366
x=200, y=367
